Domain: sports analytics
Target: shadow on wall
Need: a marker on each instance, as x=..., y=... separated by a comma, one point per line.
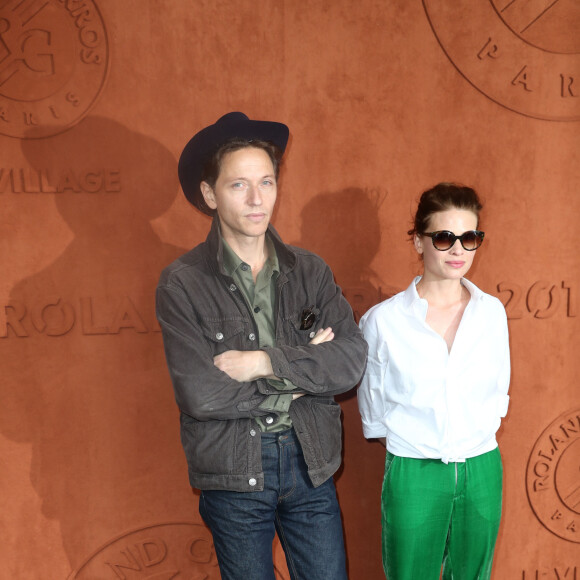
x=343, y=228
x=85, y=377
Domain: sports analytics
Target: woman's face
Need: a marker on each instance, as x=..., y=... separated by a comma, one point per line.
x=451, y=264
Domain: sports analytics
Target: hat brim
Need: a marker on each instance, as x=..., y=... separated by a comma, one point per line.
x=204, y=144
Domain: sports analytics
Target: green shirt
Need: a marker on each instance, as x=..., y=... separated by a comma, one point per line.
x=261, y=298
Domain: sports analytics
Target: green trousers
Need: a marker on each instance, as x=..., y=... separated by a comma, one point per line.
x=436, y=514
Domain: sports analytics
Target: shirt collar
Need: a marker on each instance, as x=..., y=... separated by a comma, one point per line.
x=476, y=293
x=285, y=254
x=272, y=261
x=232, y=261
x=412, y=296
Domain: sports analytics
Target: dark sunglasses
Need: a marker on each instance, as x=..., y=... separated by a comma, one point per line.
x=444, y=240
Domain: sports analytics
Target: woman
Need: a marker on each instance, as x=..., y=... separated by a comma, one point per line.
x=434, y=392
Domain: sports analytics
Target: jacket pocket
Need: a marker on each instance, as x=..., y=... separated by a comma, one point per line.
x=309, y=316
x=326, y=420
x=224, y=333
x=209, y=445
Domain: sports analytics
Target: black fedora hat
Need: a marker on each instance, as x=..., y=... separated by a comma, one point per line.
x=205, y=143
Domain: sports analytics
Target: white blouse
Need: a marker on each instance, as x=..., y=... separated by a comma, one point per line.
x=429, y=402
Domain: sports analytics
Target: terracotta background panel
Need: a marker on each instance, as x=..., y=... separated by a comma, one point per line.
x=383, y=100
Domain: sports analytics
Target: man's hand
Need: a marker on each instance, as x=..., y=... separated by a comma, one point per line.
x=249, y=365
x=322, y=335
x=245, y=365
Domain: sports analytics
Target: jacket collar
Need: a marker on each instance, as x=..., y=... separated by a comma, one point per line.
x=286, y=257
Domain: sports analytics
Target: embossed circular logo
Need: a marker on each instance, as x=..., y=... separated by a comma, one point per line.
x=158, y=552
x=54, y=60
x=524, y=56
x=166, y=551
x=553, y=477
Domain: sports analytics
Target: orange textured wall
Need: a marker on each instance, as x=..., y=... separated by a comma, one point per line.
x=383, y=99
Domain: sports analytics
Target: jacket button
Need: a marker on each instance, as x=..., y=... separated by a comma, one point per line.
x=219, y=336
x=233, y=287
x=312, y=334
x=269, y=420
x=245, y=267
x=252, y=336
x=253, y=432
x=252, y=481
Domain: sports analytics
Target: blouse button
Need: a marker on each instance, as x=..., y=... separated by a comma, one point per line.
x=252, y=336
x=245, y=267
x=252, y=481
x=219, y=336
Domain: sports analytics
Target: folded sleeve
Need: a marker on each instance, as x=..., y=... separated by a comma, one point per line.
x=371, y=392
x=201, y=389
x=332, y=367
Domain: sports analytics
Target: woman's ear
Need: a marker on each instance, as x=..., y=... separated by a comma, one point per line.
x=208, y=195
x=418, y=243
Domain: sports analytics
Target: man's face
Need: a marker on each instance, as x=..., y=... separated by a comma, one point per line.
x=244, y=194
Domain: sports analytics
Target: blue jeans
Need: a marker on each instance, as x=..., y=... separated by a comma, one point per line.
x=307, y=520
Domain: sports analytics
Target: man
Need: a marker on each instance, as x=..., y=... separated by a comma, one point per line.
x=258, y=340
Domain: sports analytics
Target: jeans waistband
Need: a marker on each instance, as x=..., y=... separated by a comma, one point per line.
x=286, y=435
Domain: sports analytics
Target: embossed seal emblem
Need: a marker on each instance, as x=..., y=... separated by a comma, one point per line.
x=166, y=551
x=524, y=56
x=160, y=552
x=553, y=477
x=54, y=60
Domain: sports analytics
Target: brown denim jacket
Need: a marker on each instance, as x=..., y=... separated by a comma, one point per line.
x=202, y=313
